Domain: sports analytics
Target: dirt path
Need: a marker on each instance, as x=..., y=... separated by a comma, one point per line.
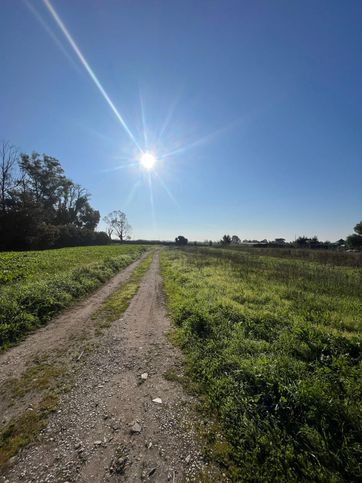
x=61, y=330
x=108, y=428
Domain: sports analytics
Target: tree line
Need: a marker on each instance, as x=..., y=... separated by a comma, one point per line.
x=353, y=242
x=40, y=207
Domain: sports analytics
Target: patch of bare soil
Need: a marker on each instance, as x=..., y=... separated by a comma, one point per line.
x=123, y=420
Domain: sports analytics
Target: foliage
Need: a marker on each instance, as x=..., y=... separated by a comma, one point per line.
x=181, y=240
x=226, y=240
x=235, y=240
x=358, y=228
x=34, y=286
x=354, y=241
x=275, y=346
x=39, y=206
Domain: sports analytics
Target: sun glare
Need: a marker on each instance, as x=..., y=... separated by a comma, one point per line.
x=147, y=161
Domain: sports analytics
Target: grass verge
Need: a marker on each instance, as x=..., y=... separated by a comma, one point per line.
x=274, y=347
x=30, y=304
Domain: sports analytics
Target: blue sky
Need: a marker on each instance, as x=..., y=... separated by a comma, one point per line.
x=260, y=101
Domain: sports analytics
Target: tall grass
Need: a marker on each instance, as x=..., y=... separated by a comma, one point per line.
x=332, y=257
x=275, y=346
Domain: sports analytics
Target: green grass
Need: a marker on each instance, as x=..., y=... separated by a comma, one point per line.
x=275, y=346
x=118, y=302
x=43, y=283
x=325, y=256
x=23, y=430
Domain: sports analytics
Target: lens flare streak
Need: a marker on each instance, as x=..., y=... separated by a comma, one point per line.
x=88, y=68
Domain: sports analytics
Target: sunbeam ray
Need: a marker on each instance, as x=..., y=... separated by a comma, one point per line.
x=132, y=193
x=49, y=31
x=169, y=117
x=144, y=128
x=201, y=140
x=118, y=168
x=151, y=202
x=88, y=68
x=164, y=186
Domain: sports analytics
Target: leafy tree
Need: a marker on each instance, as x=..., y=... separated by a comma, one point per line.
x=226, y=240
x=36, y=199
x=235, y=240
x=117, y=222
x=301, y=241
x=354, y=241
x=358, y=228
x=181, y=240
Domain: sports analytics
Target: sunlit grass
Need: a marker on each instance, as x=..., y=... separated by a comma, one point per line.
x=50, y=280
x=275, y=345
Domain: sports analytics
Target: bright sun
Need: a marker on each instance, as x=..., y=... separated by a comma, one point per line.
x=148, y=161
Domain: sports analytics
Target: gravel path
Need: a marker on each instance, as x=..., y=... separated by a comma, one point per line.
x=61, y=330
x=123, y=420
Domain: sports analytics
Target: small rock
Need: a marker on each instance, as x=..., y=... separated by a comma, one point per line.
x=120, y=464
x=152, y=472
x=77, y=445
x=149, y=445
x=144, y=376
x=136, y=428
x=157, y=400
x=188, y=459
x=97, y=443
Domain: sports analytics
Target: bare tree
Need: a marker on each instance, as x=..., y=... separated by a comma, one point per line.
x=117, y=222
x=109, y=228
x=8, y=159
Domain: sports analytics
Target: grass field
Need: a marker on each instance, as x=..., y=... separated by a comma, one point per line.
x=34, y=286
x=331, y=257
x=274, y=347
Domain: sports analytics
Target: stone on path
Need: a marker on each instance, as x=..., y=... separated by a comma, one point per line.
x=136, y=428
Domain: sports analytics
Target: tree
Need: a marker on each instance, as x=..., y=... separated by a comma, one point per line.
x=358, y=228
x=8, y=161
x=181, y=240
x=301, y=241
x=37, y=199
x=355, y=240
x=226, y=240
x=235, y=240
x=117, y=222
